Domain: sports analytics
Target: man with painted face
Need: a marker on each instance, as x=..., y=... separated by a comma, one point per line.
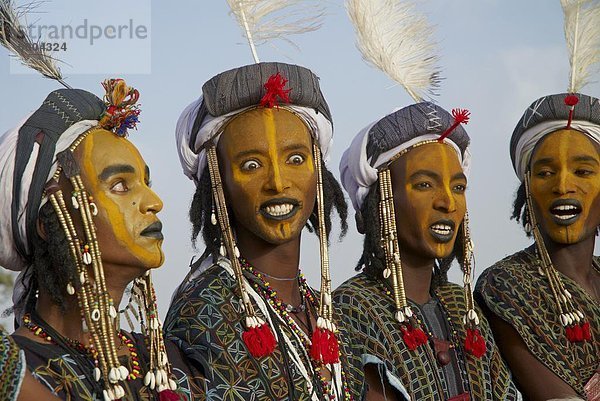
x=418, y=336
x=544, y=301
x=254, y=144
x=79, y=221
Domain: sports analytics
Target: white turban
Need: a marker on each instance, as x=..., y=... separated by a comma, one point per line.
x=533, y=135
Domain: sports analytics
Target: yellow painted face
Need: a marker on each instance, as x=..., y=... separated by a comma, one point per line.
x=565, y=184
x=429, y=200
x=270, y=181
x=114, y=173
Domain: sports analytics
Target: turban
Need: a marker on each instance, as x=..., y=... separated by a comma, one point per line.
x=235, y=91
x=549, y=114
x=377, y=143
x=27, y=161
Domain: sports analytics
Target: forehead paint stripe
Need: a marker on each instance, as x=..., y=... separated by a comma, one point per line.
x=114, y=214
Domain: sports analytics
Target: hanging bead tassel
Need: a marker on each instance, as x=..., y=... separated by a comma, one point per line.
x=325, y=347
x=413, y=337
x=258, y=337
x=475, y=343
x=579, y=332
x=170, y=395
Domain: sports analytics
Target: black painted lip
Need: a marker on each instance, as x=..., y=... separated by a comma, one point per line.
x=154, y=230
x=562, y=202
x=279, y=201
x=443, y=238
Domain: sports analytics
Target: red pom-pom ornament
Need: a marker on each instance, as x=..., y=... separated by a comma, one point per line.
x=461, y=116
x=170, y=395
x=475, y=343
x=259, y=340
x=274, y=87
x=324, y=347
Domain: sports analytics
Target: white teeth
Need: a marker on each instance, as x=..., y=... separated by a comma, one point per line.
x=279, y=210
x=565, y=217
x=442, y=229
x=565, y=207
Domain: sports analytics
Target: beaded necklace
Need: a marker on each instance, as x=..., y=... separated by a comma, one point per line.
x=281, y=308
x=90, y=350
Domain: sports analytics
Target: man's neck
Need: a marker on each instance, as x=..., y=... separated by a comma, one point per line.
x=277, y=261
x=575, y=261
x=417, y=273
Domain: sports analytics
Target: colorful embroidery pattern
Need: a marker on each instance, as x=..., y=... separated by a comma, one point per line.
x=204, y=320
x=368, y=318
x=515, y=291
x=58, y=370
x=12, y=368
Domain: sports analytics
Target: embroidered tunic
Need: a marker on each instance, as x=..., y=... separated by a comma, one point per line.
x=205, y=320
x=368, y=321
x=59, y=370
x=514, y=290
x=12, y=368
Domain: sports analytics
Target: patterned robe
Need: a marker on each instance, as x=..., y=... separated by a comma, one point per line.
x=205, y=320
x=514, y=291
x=12, y=368
x=57, y=369
x=369, y=322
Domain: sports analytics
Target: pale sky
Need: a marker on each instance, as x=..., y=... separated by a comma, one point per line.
x=498, y=56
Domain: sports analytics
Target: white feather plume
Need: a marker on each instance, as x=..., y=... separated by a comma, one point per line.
x=582, y=31
x=397, y=40
x=14, y=37
x=264, y=20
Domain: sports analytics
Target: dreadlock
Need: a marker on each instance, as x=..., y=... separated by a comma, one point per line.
x=202, y=208
x=372, y=260
x=520, y=213
x=52, y=262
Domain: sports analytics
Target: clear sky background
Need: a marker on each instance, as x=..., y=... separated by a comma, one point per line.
x=497, y=56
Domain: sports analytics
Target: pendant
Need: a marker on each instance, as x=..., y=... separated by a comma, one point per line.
x=592, y=387
x=441, y=349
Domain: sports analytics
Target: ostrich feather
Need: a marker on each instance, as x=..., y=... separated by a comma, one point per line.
x=582, y=31
x=397, y=40
x=14, y=37
x=264, y=20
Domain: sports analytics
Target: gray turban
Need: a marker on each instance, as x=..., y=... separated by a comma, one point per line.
x=236, y=91
x=376, y=144
x=549, y=114
x=27, y=162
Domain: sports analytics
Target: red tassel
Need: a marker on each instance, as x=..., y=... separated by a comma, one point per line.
x=461, y=116
x=170, y=395
x=413, y=337
x=325, y=347
x=475, y=343
x=259, y=340
x=571, y=101
x=274, y=87
x=420, y=336
x=579, y=332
